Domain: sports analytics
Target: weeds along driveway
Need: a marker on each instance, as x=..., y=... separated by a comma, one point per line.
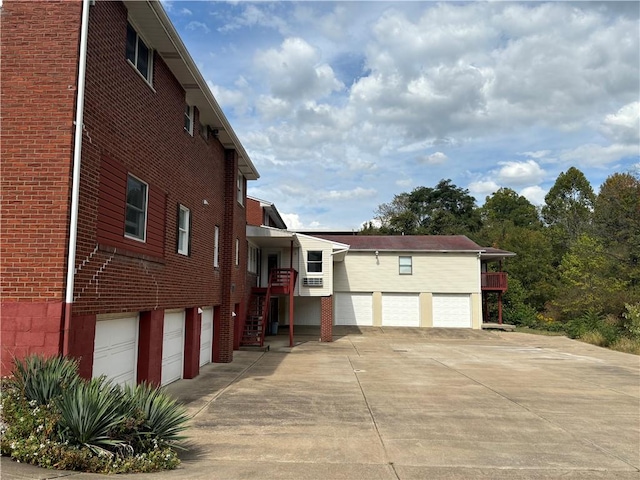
x=415, y=404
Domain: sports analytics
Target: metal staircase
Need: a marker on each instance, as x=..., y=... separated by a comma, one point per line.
x=281, y=282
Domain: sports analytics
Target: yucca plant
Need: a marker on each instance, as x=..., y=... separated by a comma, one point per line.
x=90, y=412
x=164, y=419
x=42, y=379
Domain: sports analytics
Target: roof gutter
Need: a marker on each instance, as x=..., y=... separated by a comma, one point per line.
x=75, y=188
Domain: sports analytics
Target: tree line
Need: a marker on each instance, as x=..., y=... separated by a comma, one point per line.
x=578, y=254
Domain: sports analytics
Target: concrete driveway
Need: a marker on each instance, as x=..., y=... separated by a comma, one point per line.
x=407, y=404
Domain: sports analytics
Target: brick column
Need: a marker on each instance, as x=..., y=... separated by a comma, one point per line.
x=223, y=339
x=326, y=319
x=193, y=330
x=150, y=336
x=82, y=335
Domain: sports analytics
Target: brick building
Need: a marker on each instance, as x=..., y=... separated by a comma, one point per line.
x=158, y=245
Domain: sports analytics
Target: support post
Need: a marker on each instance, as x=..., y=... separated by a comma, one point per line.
x=500, y=307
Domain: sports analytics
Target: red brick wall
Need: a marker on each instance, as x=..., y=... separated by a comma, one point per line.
x=38, y=107
x=254, y=212
x=326, y=319
x=140, y=130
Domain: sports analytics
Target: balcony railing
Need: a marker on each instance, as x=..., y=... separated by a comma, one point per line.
x=494, y=281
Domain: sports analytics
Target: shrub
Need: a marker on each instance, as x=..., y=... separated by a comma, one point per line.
x=42, y=379
x=632, y=320
x=163, y=419
x=91, y=426
x=594, y=337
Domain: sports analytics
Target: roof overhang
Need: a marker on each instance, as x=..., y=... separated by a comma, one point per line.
x=271, y=237
x=157, y=29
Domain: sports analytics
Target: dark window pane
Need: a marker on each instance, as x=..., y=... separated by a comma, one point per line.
x=314, y=256
x=131, y=44
x=143, y=59
x=314, y=268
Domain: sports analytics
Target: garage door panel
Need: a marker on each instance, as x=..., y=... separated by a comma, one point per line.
x=206, y=336
x=116, y=350
x=172, y=347
x=400, y=310
x=354, y=309
x=452, y=310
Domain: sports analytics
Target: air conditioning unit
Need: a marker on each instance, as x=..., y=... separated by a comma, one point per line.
x=312, y=281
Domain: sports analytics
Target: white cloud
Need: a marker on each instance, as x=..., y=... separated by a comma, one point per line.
x=292, y=220
x=520, y=173
x=538, y=154
x=534, y=194
x=356, y=193
x=195, y=25
x=433, y=159
x=256, y=15
x=295, y=71
x=624, y=125
x=591, y=154
x=186, y=11
x=481, y=189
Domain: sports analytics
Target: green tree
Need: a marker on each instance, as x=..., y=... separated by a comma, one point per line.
x=568, y=209
x=588, y=281
x=442, y=210
x=506, y=206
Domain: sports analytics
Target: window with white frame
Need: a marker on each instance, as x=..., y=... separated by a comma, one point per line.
x=405, y=265
x=135, y=224
x=216, y=247
x=188, y=118
x=184, y=229
x=139, y=54
x=314, y=261
x=252, y=261
x=237, y=252
x=240, y=188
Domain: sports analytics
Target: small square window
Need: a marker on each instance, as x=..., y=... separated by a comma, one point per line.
x=184, y=230
x=188, y=119
x=135, y=224
x=405, y=265
x=314, y=261
x=139, y=54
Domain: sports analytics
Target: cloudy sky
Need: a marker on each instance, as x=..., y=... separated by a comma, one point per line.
x=341, y=105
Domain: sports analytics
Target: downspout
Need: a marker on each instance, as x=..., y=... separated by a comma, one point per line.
x=75, y=189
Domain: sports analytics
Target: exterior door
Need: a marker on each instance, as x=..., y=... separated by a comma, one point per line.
x=353, y=309
x=115, y=352
x=452, y=310
x=400, y=310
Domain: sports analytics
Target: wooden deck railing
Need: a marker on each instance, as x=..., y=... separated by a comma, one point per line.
x=494, y=281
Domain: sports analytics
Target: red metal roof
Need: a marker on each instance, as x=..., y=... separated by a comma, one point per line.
x=405, y=242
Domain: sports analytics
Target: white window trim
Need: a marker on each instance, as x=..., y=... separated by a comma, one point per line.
x=149, y=78
x=315, y=262
x=184, y=232
x=240, y=189
x=216, y=247
x=410, y=265
x=146, y=210
x=237, y=252
x=189, y=114
x=252, y=261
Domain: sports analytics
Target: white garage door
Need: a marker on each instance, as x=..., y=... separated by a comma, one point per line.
x=452, y=310
x=353, y=309
x=206, y=336
x=172, y=347
x=400, y=310
x=115, y=351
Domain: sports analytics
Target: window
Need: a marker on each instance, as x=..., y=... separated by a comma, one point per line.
x=139, y=54
x=188, y=119
x=405, y=265
x=184, y=229
x=314, y=261
x=135, y=224
x=216, y=247
x=240, y=189
x=237, y=252
x=252, y=263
